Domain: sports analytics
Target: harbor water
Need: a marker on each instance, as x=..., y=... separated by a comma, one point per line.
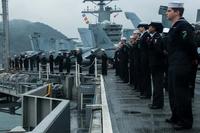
x=8, y=121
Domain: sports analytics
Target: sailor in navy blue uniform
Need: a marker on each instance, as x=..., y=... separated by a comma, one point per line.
x=156, y=64
x=79, y=58
x=123, y=60
x=182, y=53
x=145, y=91
x=51, y=62
x=135, y=55
x=92, y=58
x=104, y=59
x=116, y=62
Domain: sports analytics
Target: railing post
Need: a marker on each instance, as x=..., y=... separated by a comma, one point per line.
x=29, y=65
x=47, y=70
x=23, y=68
x=40, y=76
x=95, y=67
x=79, y=80
x=76, y=73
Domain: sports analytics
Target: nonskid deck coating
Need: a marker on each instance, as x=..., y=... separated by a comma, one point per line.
x=130, y=114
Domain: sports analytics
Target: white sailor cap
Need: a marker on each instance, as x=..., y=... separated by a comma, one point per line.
x=123, y=38
x=175, y=4
x=131, y=37
x=165, y=30
x=102, y=49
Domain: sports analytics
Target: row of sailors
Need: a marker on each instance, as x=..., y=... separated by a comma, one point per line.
x=63, y=61
x=180, y=49
x=143, y=58
x=23, y=61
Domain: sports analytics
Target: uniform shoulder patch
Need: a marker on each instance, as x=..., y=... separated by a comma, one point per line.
x=184, y=34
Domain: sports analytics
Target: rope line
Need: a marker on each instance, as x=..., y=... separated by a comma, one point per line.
x=87, y=67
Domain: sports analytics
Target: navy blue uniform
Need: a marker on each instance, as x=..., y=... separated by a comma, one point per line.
x=131, y=66
x=136, y=69
x=116, y=60
x=92, y=58
x=59, y=60
x=181, y=54
x=79, y=59
x=51, y=61
x=156, y=63
x=123, y=63
x=144, y=62
x=104, y=63
x=68, y=63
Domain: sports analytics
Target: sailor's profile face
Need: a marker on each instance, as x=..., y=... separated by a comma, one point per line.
x=141, y=29
x=170, y=14
x=151, y=29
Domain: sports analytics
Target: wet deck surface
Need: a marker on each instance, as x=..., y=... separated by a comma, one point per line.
x=130, y=114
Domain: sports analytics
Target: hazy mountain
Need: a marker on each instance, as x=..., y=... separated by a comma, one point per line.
x=19, y=31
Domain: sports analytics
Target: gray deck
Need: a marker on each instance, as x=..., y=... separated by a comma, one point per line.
x=130, y=114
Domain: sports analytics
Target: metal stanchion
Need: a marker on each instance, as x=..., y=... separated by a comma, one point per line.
x=95, y=67
x=152, y=88
x=29, y=65
x=48, y=70
x=40, y=76
x=23, y=68
x=79, y=80
x=76, y=73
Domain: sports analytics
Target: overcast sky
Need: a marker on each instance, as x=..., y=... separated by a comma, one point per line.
x=65, y=15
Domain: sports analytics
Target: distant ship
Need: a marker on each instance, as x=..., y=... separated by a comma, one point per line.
x=103, y=34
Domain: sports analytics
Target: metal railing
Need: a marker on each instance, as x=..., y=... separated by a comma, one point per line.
x=45, y=71
x=16, y=88
x=100, y=121
x=107, y=125
x=43, y=114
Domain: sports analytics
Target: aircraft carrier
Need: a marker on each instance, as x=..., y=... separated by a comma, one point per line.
x=59, y=102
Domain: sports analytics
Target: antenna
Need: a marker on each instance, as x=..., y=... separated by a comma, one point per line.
x=104, y=11
x=198, y=16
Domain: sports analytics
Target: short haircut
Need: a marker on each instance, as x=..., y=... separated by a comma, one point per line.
x=180, y=10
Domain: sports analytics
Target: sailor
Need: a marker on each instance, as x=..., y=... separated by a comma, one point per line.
x=37, y=59
x=194, y=66
x=145, y=92
x=79, y=58
x=131, y=60
x=12, y=63
x=51, y=62
x=164, y=38
x=43, y=61
x=68, y=62
x=21, y=62
x=156, y=63
x=104, y=59
x=16, y=62
x=31, y=60
x=182, y=54
x=116, y=62
x=92, y=58
x=26, y=62
x=59, y=60
x=123, y=62
x=136, y=60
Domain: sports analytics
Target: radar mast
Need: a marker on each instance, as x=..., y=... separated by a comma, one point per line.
x=104, y=11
